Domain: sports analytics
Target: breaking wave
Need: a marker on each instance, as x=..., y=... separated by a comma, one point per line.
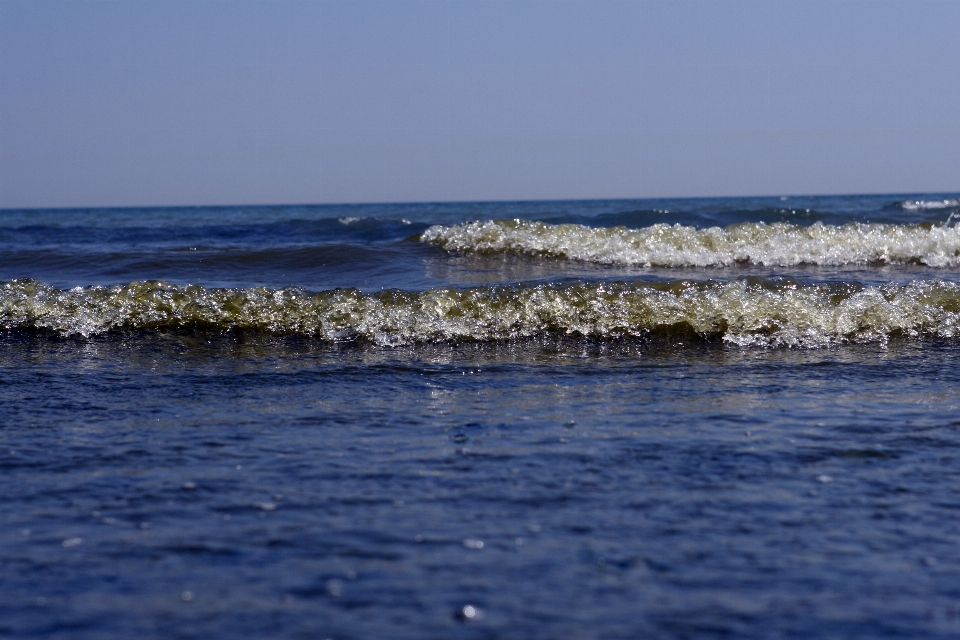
x=747, y=311
x=923, y=205
x=664, y=245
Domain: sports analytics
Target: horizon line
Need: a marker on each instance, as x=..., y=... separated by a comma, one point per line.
x=898, y=194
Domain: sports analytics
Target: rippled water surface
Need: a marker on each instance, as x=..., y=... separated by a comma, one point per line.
x=526, y=434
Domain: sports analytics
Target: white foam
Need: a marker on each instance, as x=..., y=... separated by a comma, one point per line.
x=745, y=313
x=664, y=245
x=921, y=205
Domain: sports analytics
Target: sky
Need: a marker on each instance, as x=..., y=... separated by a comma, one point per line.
x=204, y=102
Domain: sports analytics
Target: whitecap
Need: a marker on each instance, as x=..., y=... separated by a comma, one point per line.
x=922, y=205
x=742, y=312
x=664, y=245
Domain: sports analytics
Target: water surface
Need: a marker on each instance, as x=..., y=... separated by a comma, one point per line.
x=535, y=437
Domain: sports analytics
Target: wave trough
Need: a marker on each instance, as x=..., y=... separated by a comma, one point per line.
x=664, y=245
x=751, y=311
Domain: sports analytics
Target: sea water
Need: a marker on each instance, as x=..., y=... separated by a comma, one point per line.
x=693, y=418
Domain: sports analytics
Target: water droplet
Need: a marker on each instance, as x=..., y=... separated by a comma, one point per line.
x=469, y=612
x=824, y=478
x=189, y=485
x=471, y=543
x=72, y=542
x=186, y=596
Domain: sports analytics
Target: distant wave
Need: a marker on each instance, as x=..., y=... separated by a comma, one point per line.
x=923, y=205
x=743, y=311
x=664, y=245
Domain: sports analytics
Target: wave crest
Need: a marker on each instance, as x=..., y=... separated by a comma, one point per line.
x=664, y=245
x=750, y=311
x=925, y=205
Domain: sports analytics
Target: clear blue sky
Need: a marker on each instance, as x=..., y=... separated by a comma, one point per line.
x=202, y=102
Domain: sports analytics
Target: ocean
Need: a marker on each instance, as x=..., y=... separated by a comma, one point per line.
x=673, y=418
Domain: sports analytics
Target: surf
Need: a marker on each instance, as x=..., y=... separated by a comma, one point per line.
x=666, y=245
x=745, y=311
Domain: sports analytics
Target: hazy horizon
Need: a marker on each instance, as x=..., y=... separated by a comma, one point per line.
x=234, y=205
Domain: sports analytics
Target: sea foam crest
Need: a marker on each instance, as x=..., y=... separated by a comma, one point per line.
x=922, y=205
x=664, y=245
x=743, y=311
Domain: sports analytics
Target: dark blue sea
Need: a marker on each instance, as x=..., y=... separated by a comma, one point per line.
x=696, y=418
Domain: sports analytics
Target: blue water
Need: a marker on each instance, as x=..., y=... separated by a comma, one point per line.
x=363, y=246
x=175, y=475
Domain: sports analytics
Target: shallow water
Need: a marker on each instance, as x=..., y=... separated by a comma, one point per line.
x=169, y=478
